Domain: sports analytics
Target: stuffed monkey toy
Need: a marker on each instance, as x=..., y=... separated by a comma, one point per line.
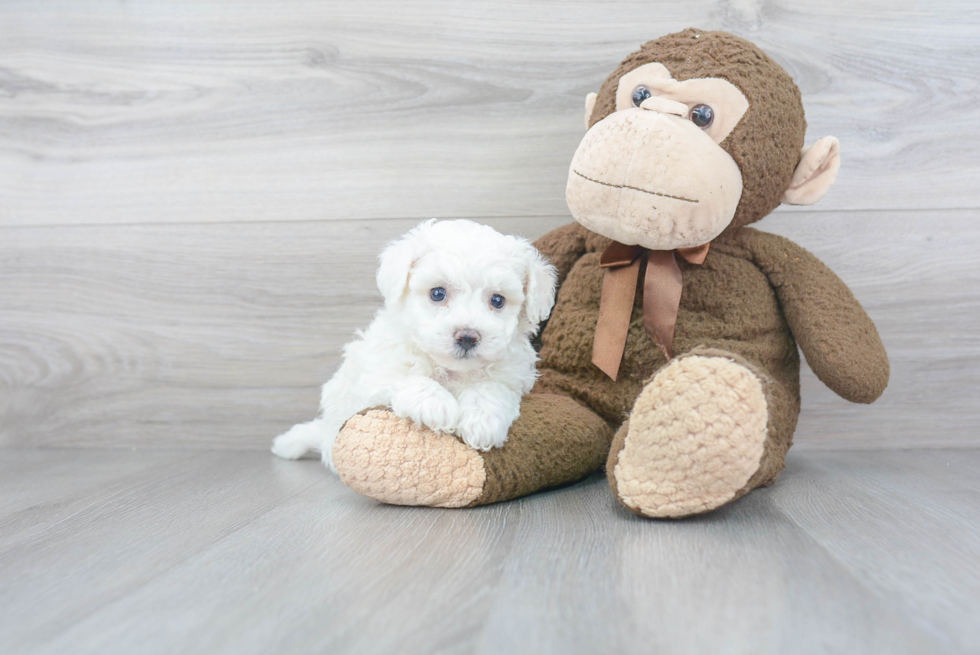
x=671, y=354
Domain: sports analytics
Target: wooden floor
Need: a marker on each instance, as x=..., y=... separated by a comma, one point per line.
x=192, y=199
x=180, y=551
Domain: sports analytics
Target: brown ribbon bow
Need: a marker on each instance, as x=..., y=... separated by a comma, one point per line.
x=662, y=287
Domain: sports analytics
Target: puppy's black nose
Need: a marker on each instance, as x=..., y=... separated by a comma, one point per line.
x=467, y=339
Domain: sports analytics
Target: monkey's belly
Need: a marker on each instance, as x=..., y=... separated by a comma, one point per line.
x=727, y=303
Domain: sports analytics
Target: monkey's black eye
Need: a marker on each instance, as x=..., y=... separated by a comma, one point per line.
x=702, y=116
x=438, y=294
x=496, y=301
x=640, y=94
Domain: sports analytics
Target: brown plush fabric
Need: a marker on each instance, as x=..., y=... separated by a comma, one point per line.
x=615, y=448
x=727, y=303
x=752, y=295
x=840, y=342
x=753, y=292
x=554, y=441
x=766, y=143
x=728, y=308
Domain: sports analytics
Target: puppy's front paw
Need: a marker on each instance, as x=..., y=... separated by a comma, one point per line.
x=482, y=431
x=427, y=402
x=486, y=412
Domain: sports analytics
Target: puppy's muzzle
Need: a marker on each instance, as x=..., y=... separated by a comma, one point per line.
x=466, y=340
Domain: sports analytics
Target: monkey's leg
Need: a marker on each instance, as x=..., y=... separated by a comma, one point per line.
x=554, y=441
x=707, y=429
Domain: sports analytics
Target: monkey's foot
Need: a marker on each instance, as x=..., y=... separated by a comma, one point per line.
x=693, y=441
x=553, y=442
x=393, y=460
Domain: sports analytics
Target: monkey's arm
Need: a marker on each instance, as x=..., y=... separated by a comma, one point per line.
x=563, y=247
x=837, y=337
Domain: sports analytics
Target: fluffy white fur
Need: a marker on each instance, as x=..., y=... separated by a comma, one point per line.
x=412, y=356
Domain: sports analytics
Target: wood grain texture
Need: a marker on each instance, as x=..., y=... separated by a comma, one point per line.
x=34, y=482
x=307, y=110
x=183, y=251
x=857, y=508
x=128, y=531
x=219, y=335
x=856, y=552
x=180, y=334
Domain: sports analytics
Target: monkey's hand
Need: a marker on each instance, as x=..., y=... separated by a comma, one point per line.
x=837, y=337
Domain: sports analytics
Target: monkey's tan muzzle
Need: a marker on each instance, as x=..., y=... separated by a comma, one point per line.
x=652, y=179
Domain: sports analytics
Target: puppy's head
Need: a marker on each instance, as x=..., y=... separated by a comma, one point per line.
x=464, y=292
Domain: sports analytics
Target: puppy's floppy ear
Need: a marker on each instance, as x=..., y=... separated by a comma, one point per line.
x=539, y=287
x=397, y=260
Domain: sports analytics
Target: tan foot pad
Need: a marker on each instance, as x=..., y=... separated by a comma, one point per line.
x=390, y=459
x=695, y=437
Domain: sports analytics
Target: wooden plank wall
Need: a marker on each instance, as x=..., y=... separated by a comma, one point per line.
x=192, y=194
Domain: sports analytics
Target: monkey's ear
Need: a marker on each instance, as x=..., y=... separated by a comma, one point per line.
x=815, y=173
x=589, y=106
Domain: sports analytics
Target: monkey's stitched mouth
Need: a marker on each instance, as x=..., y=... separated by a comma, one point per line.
x=633, y=188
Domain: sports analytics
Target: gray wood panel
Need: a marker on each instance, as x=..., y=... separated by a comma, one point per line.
x=35, y=481
x=743, y=580
x=104, y=544
x=307, y=110
x=856, y=552
x=219, y=335
x=858, y=507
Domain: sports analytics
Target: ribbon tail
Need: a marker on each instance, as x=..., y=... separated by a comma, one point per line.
x=695, y=255
x=662, y=286
x=615, y=310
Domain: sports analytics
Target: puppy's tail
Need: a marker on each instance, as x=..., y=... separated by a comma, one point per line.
x=300, y=439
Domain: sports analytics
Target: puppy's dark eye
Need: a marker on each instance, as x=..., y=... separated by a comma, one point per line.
x=437, y=294
x=702, y=116
x=496, y=301
x=640, y=94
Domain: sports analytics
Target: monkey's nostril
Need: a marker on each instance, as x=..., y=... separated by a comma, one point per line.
x=467, y=339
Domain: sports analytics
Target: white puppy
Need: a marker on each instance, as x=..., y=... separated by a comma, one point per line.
x=451, y=347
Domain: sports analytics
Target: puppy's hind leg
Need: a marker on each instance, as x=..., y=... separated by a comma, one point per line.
x=299, y=439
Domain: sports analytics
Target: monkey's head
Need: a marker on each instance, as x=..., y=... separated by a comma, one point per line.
x=694, y=134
